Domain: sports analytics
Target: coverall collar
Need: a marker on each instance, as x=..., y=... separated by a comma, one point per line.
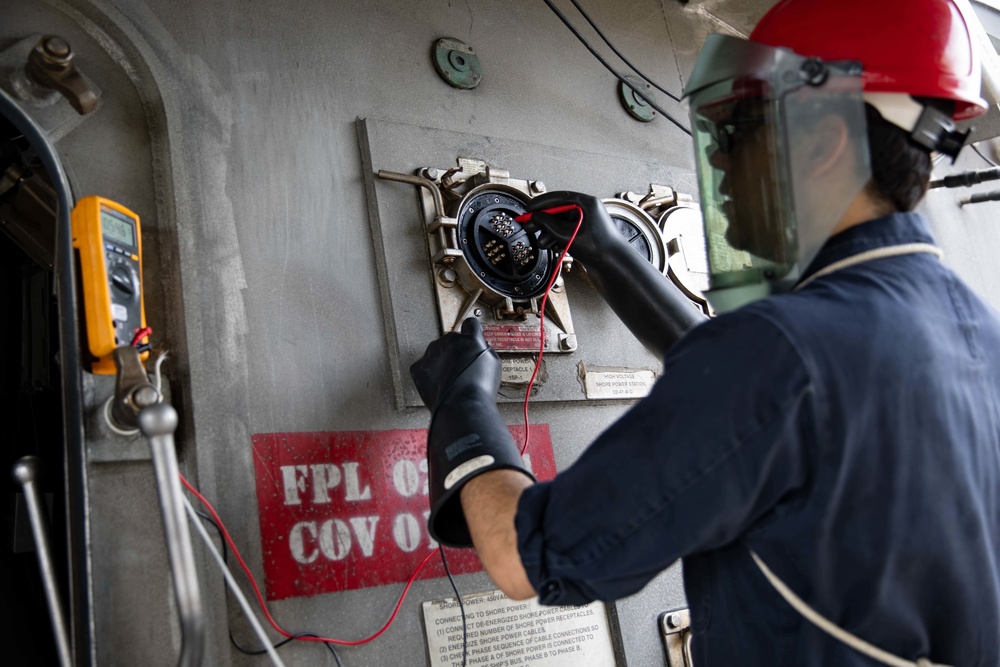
x=890, y=230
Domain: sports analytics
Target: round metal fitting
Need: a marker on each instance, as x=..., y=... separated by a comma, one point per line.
x=639, y=230
x=687, y=262
x=505, y=255
x=635, y=105
x=457, y=63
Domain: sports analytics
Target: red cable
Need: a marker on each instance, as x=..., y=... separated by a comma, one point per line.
x=260, y=598
x=232, y=545
x=140, y=334
x=541, y=310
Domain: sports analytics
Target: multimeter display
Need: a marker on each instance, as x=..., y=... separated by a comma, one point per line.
x=116, y=229
x=107, y=237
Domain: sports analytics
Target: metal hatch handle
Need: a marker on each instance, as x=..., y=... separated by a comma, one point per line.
x=137, y=403
x=27, y=471
x=158, y=423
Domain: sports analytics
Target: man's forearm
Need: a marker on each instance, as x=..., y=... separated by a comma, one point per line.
x=489, y=502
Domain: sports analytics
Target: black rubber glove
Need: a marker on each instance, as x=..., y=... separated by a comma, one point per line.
x=646, y=301
x=458, y=378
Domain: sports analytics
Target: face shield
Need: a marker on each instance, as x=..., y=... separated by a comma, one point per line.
x=781, y=151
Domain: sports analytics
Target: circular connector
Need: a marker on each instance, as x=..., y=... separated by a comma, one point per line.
x=504, y=254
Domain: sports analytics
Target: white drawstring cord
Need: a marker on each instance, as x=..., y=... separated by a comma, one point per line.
x=877, y=253
x=790, y=597
x=831, y=628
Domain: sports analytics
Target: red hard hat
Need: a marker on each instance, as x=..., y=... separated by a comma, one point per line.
x=923, y=48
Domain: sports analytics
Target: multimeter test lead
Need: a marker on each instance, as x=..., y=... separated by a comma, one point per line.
x=555, y=210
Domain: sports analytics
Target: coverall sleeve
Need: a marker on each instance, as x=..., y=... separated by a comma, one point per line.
x=724, y=436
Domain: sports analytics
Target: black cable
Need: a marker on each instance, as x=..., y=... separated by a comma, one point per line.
x=619, y=54
x=611, y=69
x=465, y=635
x=232, y=640
x=980, y=154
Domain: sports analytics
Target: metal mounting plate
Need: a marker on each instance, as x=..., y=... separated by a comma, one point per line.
x=457, y=63
x=675, y=626
x=635, y=105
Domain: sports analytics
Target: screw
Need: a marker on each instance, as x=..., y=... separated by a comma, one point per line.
x=478, y=312
x=674, y=620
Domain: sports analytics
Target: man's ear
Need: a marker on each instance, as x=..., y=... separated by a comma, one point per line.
x=827, y=145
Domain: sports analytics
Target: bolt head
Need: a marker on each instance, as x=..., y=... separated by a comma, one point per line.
x=56, y=46
x=145, y=396
x=674, y=620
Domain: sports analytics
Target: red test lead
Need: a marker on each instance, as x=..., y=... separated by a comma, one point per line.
x=555, y=210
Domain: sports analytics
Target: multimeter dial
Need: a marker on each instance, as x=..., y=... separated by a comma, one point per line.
x=125, y=291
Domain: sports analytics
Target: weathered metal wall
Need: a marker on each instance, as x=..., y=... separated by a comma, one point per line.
x=232, y=128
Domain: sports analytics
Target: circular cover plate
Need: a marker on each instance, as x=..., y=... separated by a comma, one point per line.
x=688, y=263
x=503, y=254
x=639, y=230
x=457, y=63
x=635, y=105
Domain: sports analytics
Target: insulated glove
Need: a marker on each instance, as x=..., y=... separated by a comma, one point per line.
x=458, y=378
x=647, y=302
x=597, y=233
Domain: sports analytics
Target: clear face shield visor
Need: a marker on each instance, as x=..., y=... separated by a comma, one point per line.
x=781, y=151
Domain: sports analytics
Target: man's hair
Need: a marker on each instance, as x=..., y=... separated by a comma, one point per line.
x=901, y=168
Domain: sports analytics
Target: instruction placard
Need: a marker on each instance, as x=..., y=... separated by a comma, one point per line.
x=504, y=633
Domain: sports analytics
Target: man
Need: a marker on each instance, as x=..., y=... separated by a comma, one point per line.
x=835, y=432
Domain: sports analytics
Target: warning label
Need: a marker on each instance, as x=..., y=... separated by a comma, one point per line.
x=512, y=337
x=504, y=633
x=601, y=383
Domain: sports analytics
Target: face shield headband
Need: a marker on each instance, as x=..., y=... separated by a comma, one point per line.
x=781, y=151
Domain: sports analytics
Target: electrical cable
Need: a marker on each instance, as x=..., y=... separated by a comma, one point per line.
x=982, y=155
x=156, y=373
x=619, y=54
x=260, y=597
x=461, y=606
x=140, y=334
x=593, y=51
x=232, y=639
x=272, y=653
x=541, y=320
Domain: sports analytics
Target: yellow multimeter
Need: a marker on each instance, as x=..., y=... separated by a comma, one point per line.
x=108, y=240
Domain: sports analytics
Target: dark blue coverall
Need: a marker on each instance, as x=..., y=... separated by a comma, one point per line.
x=848, y=433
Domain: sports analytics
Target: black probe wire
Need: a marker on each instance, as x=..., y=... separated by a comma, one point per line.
x=619, y=54
x=465, y=634
x=593, y=51
x=232, y=640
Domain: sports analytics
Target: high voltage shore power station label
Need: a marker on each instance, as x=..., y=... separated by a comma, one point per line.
x=505, y=633
x=347, y=510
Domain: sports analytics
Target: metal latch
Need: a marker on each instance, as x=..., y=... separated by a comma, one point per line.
x=676, y=628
